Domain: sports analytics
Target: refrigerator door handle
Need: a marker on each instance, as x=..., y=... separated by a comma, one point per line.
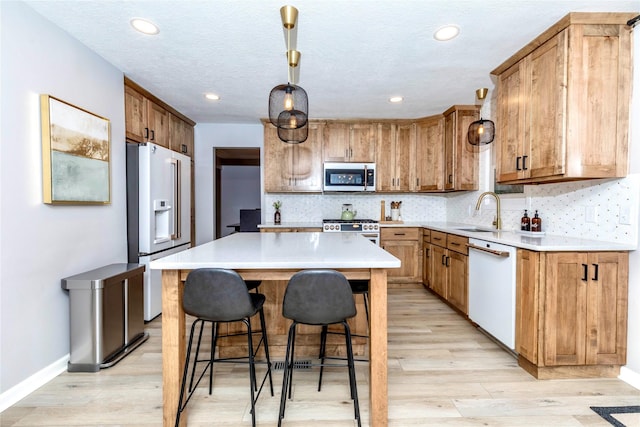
x=176, y=163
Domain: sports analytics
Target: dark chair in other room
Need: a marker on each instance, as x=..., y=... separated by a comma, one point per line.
x=249, y=220
x=221, y=296
x=318, y=297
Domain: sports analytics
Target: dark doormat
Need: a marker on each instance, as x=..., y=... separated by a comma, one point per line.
x=609, y=412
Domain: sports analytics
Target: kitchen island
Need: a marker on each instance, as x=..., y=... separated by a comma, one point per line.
x=277, y=256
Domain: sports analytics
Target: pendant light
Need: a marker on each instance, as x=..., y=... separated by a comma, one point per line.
x=481, y=132
x=288, y=103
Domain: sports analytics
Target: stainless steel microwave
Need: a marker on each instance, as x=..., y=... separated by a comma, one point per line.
x=349, y=177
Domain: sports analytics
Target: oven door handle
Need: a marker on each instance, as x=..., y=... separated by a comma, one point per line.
x=503, y=254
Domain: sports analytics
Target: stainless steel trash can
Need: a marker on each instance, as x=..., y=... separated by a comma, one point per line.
x=105, y=315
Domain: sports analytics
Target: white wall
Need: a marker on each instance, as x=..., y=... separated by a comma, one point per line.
x=207, y=136
x=41, y=244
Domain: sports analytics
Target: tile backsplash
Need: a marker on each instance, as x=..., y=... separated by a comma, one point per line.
x=592, y=209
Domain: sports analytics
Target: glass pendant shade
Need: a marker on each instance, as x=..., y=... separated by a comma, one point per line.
x=481, y=132
x=288, y=104
x=294, y=135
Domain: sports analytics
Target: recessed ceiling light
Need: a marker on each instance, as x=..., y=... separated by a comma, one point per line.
x=396, y=99
x=211, y=96
x=144, y=26
x=446, y=32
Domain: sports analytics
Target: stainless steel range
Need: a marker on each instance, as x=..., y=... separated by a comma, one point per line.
x=370, y=228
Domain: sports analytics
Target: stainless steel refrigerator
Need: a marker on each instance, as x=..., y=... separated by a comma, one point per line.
x=158, y=212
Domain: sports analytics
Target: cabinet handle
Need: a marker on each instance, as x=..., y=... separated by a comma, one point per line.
x=436, y=238
x=455, y=244
x=153, y=135
x=447, y=263
x=346, y=153
x=595, y=272
x=518, y=163
x=585, y=269
x=146, y=133
x=443, y=259
x=184, y=148
x=450, y=179
x=524, y=163
x=426, y=252
x=350, y=153
x=398, y=234
x=417, y=182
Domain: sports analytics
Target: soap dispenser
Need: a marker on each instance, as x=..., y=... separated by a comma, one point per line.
x=525, y=222
x=536, y=223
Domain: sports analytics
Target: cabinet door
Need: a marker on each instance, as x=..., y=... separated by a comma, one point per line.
x=426, y=262
x=385, y=157
x=430, y=155
x=158, y=122
x=439, y=270
x=527, y=304
x=405, y=158
x=135, y=113
x=277, y=158
x=408, y=251
x=544, y=148
x=458, y=281
x=181, y=136
x=362, y=146
x=511, y=122
x=305, y=169
x=336, y=143
x=460, y=158
x=565, y=307
x=606, y=331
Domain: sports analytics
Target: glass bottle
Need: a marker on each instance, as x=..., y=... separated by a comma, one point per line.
x=525, y=222
x=536, y=223
x=276, y=217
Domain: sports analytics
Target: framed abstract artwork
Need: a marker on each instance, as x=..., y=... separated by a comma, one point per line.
x=76, y=149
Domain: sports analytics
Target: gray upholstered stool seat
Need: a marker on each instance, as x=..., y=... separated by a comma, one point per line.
x=318, y=297
x=220, y=296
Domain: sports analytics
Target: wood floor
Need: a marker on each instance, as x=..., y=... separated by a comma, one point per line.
x=442, y=372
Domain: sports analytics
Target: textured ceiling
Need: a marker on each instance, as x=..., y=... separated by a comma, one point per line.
x=355, y=54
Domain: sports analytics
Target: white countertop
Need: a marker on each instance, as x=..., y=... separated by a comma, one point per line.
x=535, y=243
x=282, y=250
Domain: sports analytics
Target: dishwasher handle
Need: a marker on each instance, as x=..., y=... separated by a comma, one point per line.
x=503, y=254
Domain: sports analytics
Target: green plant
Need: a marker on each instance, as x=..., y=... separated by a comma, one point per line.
x=277, y=204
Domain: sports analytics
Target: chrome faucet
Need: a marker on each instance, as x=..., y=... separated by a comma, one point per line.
x=497, y=221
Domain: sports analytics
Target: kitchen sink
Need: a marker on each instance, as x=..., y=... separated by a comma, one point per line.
x=476, y=229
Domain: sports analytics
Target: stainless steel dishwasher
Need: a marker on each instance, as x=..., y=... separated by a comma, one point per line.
x=492, y=289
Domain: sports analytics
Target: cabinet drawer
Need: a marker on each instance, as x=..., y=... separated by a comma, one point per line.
x=457, y=243
x=395, y=233
x=439, y=238
x=426, y=235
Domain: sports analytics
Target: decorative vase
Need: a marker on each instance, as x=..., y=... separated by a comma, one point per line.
x=276, y=217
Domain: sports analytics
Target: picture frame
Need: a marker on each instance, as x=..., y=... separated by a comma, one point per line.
x=76, y=154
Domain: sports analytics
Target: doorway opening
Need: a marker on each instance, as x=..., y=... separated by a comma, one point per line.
x=237, y=186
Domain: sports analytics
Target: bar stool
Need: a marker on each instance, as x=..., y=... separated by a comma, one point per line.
x=358, y=287
x=221, y=296
x=318, y=297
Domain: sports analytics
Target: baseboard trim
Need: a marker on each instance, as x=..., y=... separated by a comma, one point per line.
x=31, y=384
x=630, y=377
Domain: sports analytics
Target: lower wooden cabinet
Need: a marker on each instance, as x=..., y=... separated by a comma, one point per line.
x=571, y=315
x=449, y=267
x=404, y=243
x=290, y=229
x=426, y=257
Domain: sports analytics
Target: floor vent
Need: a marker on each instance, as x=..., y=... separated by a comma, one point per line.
x=298, y=364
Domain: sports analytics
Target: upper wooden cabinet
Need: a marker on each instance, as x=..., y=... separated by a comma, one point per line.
x=349, y=142
x=460, y=157
x=148, y=119
x=293, y=167
x=181, y=136
x=430, y=154
x=571, y=313
x=145, y=120
x=396, y=157
x=563, y=102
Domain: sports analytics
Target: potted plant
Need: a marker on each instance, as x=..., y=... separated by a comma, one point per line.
x=276, y=216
